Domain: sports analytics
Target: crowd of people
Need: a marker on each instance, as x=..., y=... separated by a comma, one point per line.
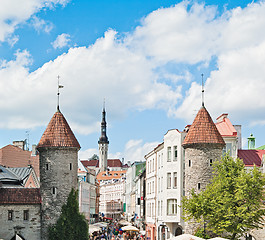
x=113, y=231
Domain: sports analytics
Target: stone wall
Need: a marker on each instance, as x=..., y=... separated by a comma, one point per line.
x=29, y=229
x=58, y=175
x=198, y=171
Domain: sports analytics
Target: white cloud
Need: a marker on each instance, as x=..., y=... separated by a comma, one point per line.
x=41, y=25
x=237, y=85
x=125, y=71
x=15, y=12
x=13, y=40
x=88, y=153
x=106, y=69
x=61, y=41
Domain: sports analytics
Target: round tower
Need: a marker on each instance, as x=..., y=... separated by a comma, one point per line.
x=203, y=145
x=58, y=154
x=103, y=144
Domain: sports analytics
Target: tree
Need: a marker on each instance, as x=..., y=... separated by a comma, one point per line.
x=71, y=224
x=232, y=203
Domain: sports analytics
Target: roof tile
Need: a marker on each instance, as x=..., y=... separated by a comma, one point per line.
x=203, y=130
x=58, y=134
x=20, y=196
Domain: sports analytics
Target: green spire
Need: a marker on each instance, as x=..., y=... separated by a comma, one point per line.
x=251, y=142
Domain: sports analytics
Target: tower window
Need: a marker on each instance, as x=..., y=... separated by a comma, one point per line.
x=26, y=215
x=10, y=215
x=54, y=190
x=70, y=166
x=189, y=163
x=199, y=186
x=211, y=162
x=47, y=166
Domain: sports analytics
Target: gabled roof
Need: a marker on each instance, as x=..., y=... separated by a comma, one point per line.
x=203, y=130
x=251, y=157
x=20, y=196
x=12, y=156
x=225, y=127
x=90, y=163
x=58, y=134
x=8, y=177
x=114, y=163
x=95, y=163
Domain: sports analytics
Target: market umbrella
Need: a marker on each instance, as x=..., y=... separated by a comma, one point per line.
x=130, y=228
x=124, y=222
x=93, y=228
x=186, y=237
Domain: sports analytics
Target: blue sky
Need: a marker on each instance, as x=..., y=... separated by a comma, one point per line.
x=144, y=57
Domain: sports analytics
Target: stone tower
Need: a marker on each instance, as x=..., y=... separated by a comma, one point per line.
x=58, y=149
x=203, y=145
x=103, y=144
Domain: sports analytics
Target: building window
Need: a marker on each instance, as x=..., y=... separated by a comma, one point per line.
x=189, y=163
x=175, y=178
x=47, y=166
x=199, y=186
x=161, y=184
x=227, y=149
x=70, y=166
x=158, y=184
x=172, y=206
x=175, y=153
x=168, y=180
x=153, y=187
x=158, y=208
x=169, y=154
x=161, y=208
x=26, y=215
x=211, y=162
x=10, y=215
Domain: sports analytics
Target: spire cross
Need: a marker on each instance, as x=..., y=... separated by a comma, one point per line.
x=58, y=93
x=202, y=91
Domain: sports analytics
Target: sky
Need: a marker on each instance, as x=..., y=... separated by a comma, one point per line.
x=145, y=58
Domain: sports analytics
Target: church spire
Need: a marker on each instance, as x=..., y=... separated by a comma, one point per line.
x=103, y=143
x=103, y=138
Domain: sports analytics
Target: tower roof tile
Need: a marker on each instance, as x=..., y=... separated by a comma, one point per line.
x=58, y=134
x=203, y=130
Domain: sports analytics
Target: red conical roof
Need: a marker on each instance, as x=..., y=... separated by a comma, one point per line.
x=203, y=130
x=58, y=134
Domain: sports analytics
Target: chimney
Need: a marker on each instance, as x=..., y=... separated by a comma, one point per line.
x=34, y=150
x=122, y=161
x=20, y=144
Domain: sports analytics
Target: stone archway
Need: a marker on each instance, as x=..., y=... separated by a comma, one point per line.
x=178, y=231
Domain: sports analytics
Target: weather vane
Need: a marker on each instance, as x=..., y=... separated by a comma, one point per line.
x=58, y=93
x=202, y=91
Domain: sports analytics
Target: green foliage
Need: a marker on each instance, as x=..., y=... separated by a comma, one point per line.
x=232, y=203
x=71, y=224
x=200, y=233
